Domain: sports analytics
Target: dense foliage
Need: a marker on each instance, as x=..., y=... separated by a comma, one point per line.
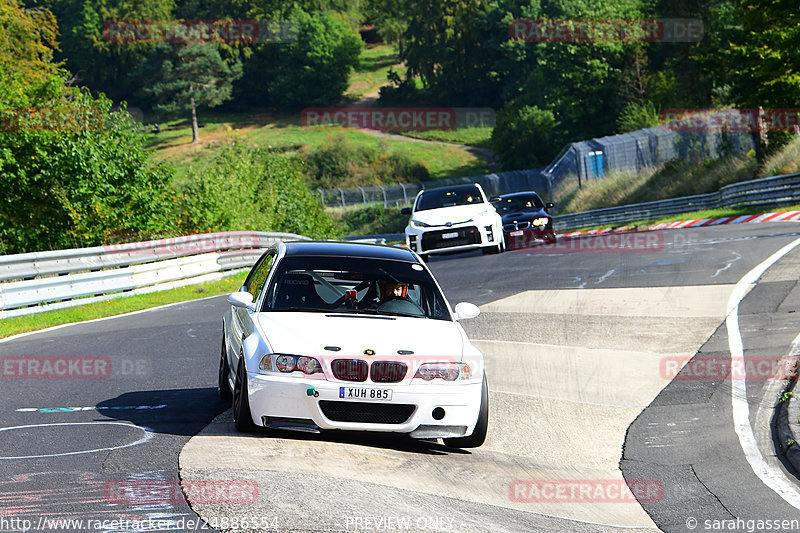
x=250, y=188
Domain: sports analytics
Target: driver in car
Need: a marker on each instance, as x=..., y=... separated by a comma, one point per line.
x=391, y=289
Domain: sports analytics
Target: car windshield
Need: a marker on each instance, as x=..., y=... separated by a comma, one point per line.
x=519, y=203
x=355, y=286
x=437, y=198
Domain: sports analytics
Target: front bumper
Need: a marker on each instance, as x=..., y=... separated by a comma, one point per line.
x=279, y=397
x=527, y=238
x=457, y=238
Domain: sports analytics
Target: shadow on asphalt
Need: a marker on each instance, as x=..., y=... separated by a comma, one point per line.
x=174, y=412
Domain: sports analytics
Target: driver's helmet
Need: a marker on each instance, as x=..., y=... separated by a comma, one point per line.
x=391, y=288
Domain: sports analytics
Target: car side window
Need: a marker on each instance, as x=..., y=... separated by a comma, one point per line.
x=258, y=276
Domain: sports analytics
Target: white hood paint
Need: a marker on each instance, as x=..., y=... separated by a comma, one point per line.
x=309, y=333
x=457, y=214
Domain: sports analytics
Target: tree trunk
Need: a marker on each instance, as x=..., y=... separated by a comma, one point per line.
x=195, y=131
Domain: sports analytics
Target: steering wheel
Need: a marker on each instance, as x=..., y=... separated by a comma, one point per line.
x=398, y=304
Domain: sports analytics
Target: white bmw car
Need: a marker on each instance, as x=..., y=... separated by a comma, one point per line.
x=453, y=219
x=330, y=335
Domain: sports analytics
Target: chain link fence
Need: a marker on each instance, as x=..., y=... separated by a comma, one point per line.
x=403, y=194
x=592, y=159
x=633, y=152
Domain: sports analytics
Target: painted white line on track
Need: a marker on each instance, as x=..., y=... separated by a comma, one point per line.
x=522, y=343
x=148, y=434
x=772, y=478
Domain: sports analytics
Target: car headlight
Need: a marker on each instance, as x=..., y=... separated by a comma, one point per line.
x=417, y=224
x=445, y=371
x=540, y=221
x=287, y=364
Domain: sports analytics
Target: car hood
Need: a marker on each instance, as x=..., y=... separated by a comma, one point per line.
x=456, y=214
x=310, y=333
x=524, y=215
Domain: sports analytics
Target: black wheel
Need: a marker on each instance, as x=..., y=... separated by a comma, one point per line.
x=478, y=436
x=223, y=388
x=242, y=418
x=424, y=257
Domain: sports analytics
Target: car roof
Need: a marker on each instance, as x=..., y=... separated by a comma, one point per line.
x=467, y=187
x=518, y=194
x=347, y=249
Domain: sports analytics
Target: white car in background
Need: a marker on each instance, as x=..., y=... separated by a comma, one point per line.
x=332, y=335
x=453, y=219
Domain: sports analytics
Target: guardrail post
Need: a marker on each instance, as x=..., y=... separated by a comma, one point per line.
x=322, y=197
x=405, y=196
x=363, y=195
x=341, y=193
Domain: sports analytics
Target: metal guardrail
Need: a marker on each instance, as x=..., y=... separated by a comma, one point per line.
x=66, y=278
x=774, y=191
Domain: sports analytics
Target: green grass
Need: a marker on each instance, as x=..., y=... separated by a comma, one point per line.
x=118, y=306
x=174, y=144
x=480, y=137
x=372, y=72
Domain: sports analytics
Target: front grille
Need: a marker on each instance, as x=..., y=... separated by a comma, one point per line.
x=350, y=369
x=432, y=240
x=367, y=413
x=387, y=371
x=517, y=226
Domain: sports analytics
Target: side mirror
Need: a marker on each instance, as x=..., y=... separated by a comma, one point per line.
x=406, y=211
x=549, y=205
x=466, y=310
x=242, y=299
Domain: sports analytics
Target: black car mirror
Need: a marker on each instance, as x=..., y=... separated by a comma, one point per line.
x=549, y=205
x=405, y=211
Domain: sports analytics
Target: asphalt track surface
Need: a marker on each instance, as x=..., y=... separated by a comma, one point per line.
x=67, y=444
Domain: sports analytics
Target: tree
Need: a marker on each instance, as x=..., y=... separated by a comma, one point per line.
x=524, y=136
x=314, y=69
x=193, y=75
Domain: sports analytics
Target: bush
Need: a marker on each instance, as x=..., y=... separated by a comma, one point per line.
x=373, y=220
x=246, y=188
x=341, y=163
x=523, y=137
x=637, y=116
x=74, y=183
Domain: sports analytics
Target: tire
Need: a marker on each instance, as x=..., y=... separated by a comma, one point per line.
x=242, y=418
x=478, y=436
x=223, y=388
x=425, y=257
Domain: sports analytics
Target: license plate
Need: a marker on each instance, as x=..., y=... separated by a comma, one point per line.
x=516, y=233
x=450, y=235
x=364, y=393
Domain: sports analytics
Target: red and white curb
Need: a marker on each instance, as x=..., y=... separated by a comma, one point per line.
x=696, y=223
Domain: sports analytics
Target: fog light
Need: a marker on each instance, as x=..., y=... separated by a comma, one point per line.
x=438, y=413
